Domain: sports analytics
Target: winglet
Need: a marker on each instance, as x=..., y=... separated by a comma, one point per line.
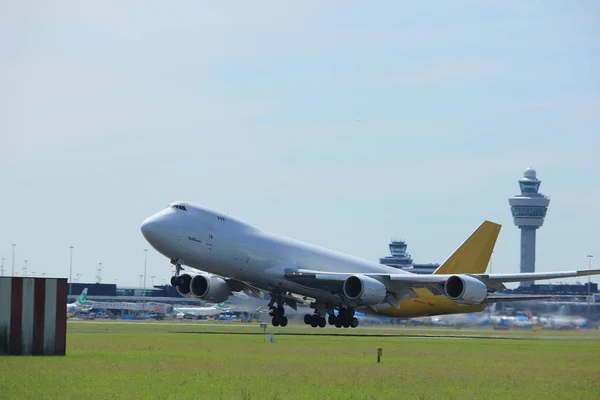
x=473, y=256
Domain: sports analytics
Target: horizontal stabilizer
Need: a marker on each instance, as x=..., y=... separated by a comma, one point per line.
x=502, y=298
x=533, y=276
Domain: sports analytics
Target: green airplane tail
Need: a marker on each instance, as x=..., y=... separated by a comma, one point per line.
x=82, y=298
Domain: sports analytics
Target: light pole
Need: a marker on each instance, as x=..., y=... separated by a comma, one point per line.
x=70, y=269
x=589, y=256
x=25, y=269
x=145, y=263
x=2, y=267
x=99, y=272
x=13, y=261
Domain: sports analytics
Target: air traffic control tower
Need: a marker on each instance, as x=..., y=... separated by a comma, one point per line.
x=528, y=211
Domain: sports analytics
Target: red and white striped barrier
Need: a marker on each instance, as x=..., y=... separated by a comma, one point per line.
x=33, y=316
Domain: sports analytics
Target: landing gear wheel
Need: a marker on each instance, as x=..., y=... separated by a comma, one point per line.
x=279, y=319
x=354, y=322
x=314, y=321
x=322, y=322
x=331, y=320
x=307, y=319
x=173, y=281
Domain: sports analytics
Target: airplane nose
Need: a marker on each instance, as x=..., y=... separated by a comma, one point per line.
x=150, y=228
x=161, y=230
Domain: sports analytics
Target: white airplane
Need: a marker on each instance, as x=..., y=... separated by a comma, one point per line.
x=83, y=303
x=201, y=311
x=79, y=304
x=237, y=302
x=234, y=256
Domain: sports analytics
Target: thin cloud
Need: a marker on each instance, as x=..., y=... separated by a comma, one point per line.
x=437, y=34
x=447, y=73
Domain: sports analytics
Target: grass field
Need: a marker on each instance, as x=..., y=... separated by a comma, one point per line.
x=134, y=360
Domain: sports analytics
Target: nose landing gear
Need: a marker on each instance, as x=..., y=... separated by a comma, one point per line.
x=178, y=269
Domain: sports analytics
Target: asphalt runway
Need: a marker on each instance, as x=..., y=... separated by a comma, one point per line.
x=155, y=323
x=341, y=334
x=397, y=335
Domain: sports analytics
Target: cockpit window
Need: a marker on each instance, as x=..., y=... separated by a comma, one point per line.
x=177, y=206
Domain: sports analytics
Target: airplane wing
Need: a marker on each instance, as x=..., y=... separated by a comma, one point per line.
x=401, y=285
x=423, y=279
x=538, y=276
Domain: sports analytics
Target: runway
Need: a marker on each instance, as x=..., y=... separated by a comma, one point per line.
x=405, y=335
x=399, y=335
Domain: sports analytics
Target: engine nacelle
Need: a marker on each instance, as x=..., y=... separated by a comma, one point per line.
x=183, y=285
x=210, y=288
x=364, y=289
x=465, y=289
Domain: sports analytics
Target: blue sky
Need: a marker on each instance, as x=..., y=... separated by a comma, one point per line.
x=338, y=123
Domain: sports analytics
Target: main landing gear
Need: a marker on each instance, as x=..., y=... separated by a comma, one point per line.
x=279, y=319
x=178, y=269
x=315, y=320
x=344, y=318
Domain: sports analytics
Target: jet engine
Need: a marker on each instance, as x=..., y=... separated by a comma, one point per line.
x=364, y=289
x=183, y=284
x=465, y=289
x=210, y=288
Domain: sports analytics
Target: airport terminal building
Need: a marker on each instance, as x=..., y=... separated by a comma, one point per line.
x=400, y=258
x=111, y=292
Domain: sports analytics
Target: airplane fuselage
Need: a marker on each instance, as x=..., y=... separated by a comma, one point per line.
x=222, y=245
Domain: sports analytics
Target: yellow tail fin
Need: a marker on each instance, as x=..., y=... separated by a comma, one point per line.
x=473, y=256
